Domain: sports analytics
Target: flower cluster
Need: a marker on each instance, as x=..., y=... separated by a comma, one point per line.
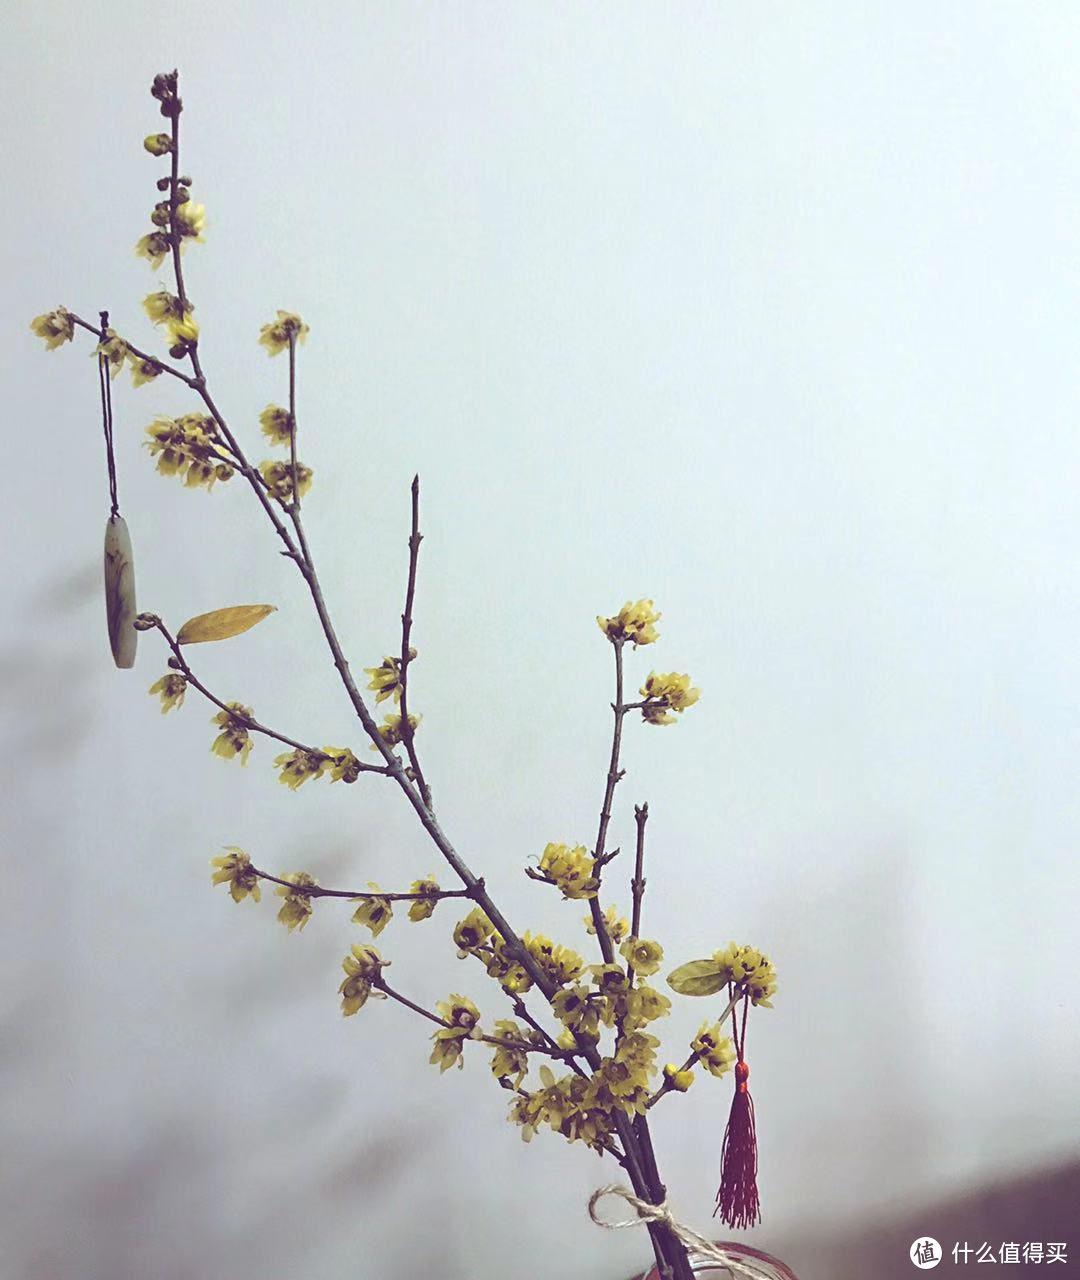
x=362, y=968
x=618, y=927
x=277, y=424
x=296, y=909
x=635, y=621
x=176, y=316
x=235, y=870
x=54, y=327
x=713, y=1049
x=642, y=956
x=423, y=908
x=234, y=739
x=571, y=870
x=374, y=912
x=584, y=1108
x=749, y=969
x=666, y=693
x=386, y=678
x=392, y=730
x=462, y=1018
x=277, y=336
x=113, y=350
x=189, y=446
x=278, y=478
x=171, y=689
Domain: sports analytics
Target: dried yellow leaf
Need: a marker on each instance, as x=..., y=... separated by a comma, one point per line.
x=221, y=624
x=697, y=978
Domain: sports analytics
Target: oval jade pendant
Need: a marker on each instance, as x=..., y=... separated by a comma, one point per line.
x=120, y=607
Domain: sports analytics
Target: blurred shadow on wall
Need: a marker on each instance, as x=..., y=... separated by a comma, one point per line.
x=158, y=1200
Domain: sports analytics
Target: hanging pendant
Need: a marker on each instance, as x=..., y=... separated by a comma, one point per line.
x=120, y=609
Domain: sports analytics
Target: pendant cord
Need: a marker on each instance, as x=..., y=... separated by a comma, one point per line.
x=105, y=381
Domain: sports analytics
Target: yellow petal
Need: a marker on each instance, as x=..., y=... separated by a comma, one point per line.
x=697, y=978
x=220, y=624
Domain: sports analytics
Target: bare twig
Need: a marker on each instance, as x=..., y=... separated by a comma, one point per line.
x=408, y=736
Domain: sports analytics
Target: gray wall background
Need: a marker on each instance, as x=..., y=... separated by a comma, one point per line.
x=767, y=311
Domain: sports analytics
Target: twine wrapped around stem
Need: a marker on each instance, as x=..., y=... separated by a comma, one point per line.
x=702, y=1249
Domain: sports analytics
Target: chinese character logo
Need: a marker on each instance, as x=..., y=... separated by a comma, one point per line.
x=925, y=1253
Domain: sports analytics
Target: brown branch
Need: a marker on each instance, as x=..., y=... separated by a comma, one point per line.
x=353, y=895
x=613, y=775
x=637, y=885
x=408, y=735
x=249, y=722
x=666, y=1088
x=142, y=355
x=499, y=1041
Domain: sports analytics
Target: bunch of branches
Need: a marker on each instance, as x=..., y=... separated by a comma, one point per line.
x=590, y=1021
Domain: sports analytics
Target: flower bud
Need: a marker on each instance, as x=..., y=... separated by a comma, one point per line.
x=146, y=622
x=158, y=144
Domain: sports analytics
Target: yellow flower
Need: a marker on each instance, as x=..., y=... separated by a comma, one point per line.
x=276, y=335
x=235, y=870
x=171, y=689
x=390, y=729
x=570, y=870
x=296, y=909
x=188, y=446
x=644, y=957
x=297, y=766
x=510, y=1064
x=158, y=144
x=472, y=933
x=664, y=693
x=618, y=928
x=508, y=971
x=142, y=371
x=55, y=327
x=154, y=247
x=279, y=479
x=675, y=1078
x=751, y=969
x=714, y=1050
x=635, y=622
x=362, y=969
x=462, y=1017
x=115, y=351
x=575, y=1009
x=560, y=963
x=422, y=908
x=386, y=678
x=163, y=307
x=341, y=764
x=182, y=333
x=234, y=739
x=644, y=1004
x=374, y=912
x=525, y=1111
x=190, y=219
x=276, y=424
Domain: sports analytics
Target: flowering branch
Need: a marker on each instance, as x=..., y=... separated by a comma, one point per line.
x=355, y=895
x=151, y=621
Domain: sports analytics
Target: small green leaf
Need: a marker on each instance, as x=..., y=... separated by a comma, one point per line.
x=222, y=624
x=697, y=978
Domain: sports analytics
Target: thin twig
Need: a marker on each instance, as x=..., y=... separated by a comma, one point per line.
x=355, y=895
x=499, y=1041
x=408, y=736
x=666, y=1087
x=248, y=722
x=142, y=355
x=614, y=773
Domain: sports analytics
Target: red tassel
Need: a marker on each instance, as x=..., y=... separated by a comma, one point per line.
x=737, y=1200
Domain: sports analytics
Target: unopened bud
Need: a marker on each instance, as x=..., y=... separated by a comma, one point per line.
x=146, y=622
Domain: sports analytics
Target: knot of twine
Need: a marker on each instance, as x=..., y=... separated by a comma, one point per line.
x=704, y=1250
